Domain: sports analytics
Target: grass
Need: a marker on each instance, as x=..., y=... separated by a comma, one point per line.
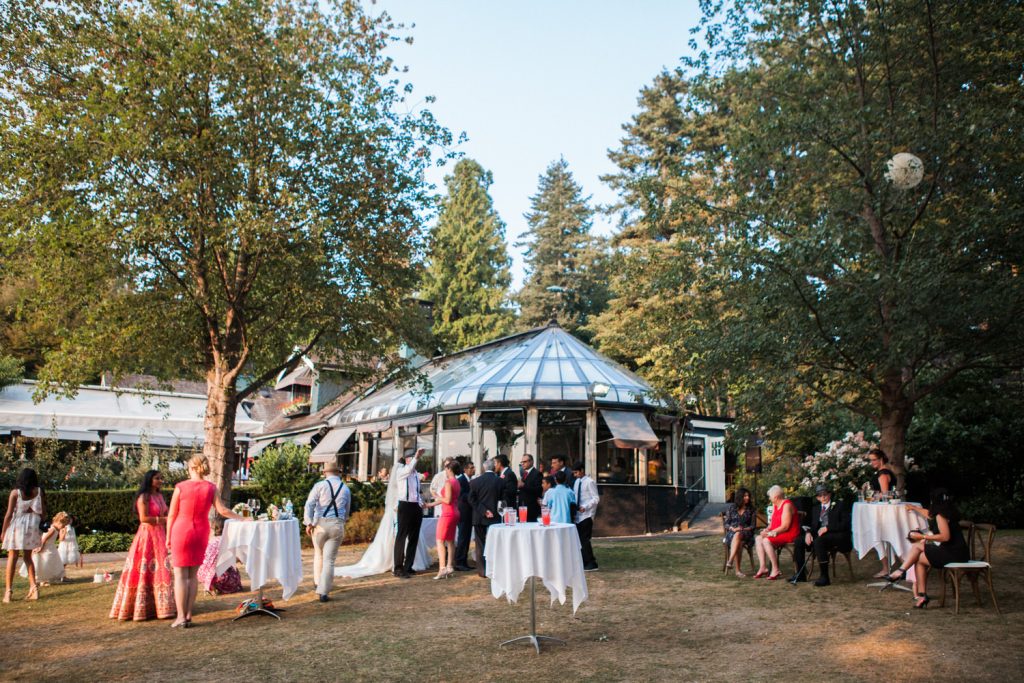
x=658, y=610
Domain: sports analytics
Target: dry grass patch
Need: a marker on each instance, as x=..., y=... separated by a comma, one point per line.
x=658, y=610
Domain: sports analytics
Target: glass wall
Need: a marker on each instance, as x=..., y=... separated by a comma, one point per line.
x=503, y=432
x=615, y=465
x=348, y=458
x=455, y=437
x=659, y=464
x=561, y=432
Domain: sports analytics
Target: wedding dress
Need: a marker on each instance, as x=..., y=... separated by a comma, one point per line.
x=380, y=555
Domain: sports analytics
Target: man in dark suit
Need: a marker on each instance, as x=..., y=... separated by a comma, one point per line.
x=530, y=491
x=465, y=528
x=484, y=493
x=558, y=464
x=829, y=529
x=509, y=481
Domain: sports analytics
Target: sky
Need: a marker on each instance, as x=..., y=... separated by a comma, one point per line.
x=530, y=81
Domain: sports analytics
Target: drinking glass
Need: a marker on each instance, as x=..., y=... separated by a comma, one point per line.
x=522, y=514
x=255, y=507
x=501, y=510
x=545, y=515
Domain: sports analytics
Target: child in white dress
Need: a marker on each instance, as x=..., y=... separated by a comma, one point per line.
x=68, y=546
x=49, y=566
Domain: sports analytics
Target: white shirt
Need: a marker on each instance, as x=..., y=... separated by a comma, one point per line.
x=587, y=498
x=318, y=503
x=408, y=482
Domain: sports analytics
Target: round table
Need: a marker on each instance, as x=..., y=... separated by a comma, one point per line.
x=884, y=526
x=520, y=552
x=268, y=551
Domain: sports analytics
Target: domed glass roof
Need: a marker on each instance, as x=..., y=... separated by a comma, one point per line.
x=546, y=365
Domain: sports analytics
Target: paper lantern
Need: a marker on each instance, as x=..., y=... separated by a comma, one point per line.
x=905, y=171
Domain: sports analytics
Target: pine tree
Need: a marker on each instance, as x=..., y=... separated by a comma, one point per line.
x=566, y=264
x=468, y=277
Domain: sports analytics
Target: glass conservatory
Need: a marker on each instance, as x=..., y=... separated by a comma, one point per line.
x=545, y=393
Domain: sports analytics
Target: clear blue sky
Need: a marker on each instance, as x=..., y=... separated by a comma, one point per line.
x=529, y=81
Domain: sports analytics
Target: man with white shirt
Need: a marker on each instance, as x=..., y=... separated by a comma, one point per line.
x=587, y=499
x=325, y=513
x=410, y=515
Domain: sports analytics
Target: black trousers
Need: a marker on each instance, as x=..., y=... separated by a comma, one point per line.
x=585, y=529
x=465, y=530
x=481, y=543
x=831, y=540
x=410, y=518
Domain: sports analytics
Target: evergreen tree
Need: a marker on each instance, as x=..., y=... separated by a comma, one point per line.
x=468, y=276
x=567, y=267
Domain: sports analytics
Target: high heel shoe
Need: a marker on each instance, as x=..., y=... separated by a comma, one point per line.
x=901, y=575
x=33, y=593
x=921, y=601
x=761, y=573
x=183, y=624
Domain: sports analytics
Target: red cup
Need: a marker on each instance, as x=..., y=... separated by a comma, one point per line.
x=545, y=519
x=522, y=514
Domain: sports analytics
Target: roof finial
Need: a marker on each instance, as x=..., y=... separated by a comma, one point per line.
x=553, y=323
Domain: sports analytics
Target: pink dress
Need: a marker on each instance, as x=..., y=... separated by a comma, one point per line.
x=785, y=535
x=191, y=531
x=449, y=519
x=146, y=588
x=228, y=582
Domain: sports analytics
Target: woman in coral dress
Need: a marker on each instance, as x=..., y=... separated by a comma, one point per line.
x=448, y=499
x=188, y=533
x=146, y=588
x=783, y=528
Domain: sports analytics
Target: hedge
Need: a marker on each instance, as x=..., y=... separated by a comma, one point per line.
x=105, y=542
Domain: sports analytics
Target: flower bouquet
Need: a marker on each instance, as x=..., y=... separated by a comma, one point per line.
x=273, y=512
x=242, y=509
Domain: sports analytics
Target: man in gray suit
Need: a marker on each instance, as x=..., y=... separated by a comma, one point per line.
x=484, y=493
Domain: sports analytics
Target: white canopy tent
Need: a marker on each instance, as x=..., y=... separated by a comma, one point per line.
x=124, y=416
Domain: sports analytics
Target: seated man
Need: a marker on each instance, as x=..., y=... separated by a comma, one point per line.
x=829, y=530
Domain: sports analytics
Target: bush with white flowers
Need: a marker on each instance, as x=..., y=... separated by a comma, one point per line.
x=843, y=465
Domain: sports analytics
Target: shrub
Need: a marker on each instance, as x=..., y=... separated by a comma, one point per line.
x=104, y=510
x=367, y=495
x=105, y=542
x=283, y=472
x=362, y=526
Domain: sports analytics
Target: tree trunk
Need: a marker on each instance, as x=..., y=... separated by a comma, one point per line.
x=219, y=426
x=897, y=413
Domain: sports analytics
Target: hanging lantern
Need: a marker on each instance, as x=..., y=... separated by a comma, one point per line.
x=904, y=171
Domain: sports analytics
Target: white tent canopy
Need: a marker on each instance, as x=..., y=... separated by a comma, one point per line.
x=128, y=416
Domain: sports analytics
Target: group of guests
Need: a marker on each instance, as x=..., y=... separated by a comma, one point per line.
x=828, y=531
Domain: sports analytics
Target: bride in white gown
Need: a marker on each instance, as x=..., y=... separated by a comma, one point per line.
x=380, y=555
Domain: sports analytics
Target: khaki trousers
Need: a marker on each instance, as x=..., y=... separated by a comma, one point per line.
x=326, y=538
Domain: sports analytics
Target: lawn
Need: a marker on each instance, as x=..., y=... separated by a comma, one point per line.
x=659, y=609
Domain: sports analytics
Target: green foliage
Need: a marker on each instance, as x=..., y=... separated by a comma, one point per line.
x=367, y=495
x=468, y=275
x=362, y=525
x=567, y=266
x=10, y=371
x=777, y=266
x=106, y=510
x=195, y=188
x=283, y=472
x=105, y=542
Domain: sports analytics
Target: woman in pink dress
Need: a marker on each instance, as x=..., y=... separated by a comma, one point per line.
x=188, y=531
x=448, y=499
x=146, y=589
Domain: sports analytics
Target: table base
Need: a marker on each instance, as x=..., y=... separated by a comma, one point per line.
x=533, y=638
x=250, y=611
x=890, y=553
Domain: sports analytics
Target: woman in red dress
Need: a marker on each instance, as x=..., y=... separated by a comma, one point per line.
x=783, y=529
x=448, y=499
x=145, y=590
x=188, y=532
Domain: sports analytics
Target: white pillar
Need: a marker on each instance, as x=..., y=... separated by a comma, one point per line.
x=476, y=437
x=364, y=457
x=531, y=433
x=590, y=450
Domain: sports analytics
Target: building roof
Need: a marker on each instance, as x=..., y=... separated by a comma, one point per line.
x=546, y=365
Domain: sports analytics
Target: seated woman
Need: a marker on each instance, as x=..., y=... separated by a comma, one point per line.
x=739, y=528
x=944, y=525
x=783, y=528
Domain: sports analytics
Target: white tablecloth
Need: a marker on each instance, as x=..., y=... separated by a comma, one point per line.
x=552, y=553
x=428, y=540
x=268, y=550
x=875, y=523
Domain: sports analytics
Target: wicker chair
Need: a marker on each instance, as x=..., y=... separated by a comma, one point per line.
x=980, y=539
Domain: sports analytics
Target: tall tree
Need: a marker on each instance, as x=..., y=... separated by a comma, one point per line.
x=567, y=266
x=468, y=276
x=209, y=183
x=839, y=284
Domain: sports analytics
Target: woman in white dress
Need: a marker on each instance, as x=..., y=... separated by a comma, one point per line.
x=25, y=508
x=46, y=558
x=380, y=555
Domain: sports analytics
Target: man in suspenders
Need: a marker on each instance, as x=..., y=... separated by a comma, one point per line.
x=324, y=515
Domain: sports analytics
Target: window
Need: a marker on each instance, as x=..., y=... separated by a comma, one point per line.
x=504, y=432
x=561, y=432
x=659, y=465
x=616, y=465
x=453, y=421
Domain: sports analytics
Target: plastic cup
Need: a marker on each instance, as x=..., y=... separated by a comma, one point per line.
x=522, y=514
x=545, y=518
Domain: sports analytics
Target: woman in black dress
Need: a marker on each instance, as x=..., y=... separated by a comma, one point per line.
x=944, y=527
x=739, y=528
x=883, y=480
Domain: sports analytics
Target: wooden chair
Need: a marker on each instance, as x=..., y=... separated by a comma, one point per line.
x=749, y=548
x=980, y=539
x=832, y=555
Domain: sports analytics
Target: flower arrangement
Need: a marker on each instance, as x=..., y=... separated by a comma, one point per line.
x=298, y=406
x=241, y=509
x=842, y=466
x=273, y=512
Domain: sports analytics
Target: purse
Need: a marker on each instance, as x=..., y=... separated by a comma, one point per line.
x=915, y=531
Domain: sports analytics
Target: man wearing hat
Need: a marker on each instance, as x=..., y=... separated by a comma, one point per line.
x=325, y=513
x=829, y=530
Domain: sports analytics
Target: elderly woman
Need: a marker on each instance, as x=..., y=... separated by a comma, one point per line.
x=783, y=528
x=944, y=528
x=739, y=528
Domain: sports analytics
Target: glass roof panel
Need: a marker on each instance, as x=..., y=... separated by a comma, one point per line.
x=548, y=393
x=549, y=372
x=527, y=371
x=495, y=393
x=519, y=393
x=569, y=374
x=572, y=392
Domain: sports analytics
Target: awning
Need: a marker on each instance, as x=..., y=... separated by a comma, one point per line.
x=414, y=421
x=329, y=446
x=301, y=439
x=371, y=427
x=257, y=447
x=630, y=430
x=300, y=376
